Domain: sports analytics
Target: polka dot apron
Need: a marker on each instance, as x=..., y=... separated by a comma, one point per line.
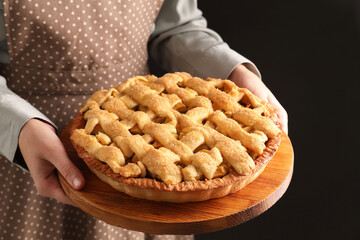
x=61, y=51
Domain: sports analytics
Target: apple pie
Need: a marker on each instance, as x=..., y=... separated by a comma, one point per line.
x=176, y=138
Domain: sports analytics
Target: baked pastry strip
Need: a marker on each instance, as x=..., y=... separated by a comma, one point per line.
x=196, y=96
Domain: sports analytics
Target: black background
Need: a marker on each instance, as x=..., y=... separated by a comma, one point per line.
x=308, y=55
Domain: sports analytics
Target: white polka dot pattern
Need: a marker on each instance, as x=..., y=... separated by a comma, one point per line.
x=26, y=215
x=61, y=51
x=74, y=48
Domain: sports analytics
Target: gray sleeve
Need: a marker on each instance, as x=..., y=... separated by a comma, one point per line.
x=181, y=41
x=14, y=113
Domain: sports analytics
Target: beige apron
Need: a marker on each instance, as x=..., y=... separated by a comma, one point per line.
x=61, y=51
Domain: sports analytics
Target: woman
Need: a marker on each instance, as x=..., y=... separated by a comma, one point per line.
x=54, y=56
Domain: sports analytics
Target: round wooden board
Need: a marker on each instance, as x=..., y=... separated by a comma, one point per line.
x=103, y=202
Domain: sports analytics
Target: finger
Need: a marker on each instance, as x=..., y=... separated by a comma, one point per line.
x=67, y=168
x=283, y=118
x=55, y=190
x=282, y=115
x=49, y=186
x=59, y=195
x=284, y=121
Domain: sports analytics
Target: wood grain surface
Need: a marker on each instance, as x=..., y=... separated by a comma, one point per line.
x=103, y=202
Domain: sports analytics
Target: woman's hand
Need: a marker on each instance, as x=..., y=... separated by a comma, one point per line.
x=44, y=153
x=244, y=78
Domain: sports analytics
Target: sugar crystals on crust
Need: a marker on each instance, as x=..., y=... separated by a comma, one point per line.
x=176, y=129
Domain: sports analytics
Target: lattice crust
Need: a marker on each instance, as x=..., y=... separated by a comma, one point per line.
x=176, y=128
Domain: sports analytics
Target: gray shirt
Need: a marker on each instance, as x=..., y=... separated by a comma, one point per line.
x=180, y=41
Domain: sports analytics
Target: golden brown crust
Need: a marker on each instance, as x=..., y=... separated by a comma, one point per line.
x=157, y=138
x=190, y=191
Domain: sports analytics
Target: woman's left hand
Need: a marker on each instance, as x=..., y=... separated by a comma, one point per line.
x=245, y=78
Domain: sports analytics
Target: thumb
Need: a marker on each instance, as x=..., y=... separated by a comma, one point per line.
x=68, y=169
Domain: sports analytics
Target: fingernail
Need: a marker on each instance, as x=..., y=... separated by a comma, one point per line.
x=76, y=182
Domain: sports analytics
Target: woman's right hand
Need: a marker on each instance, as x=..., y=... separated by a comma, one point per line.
x=44, y=153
